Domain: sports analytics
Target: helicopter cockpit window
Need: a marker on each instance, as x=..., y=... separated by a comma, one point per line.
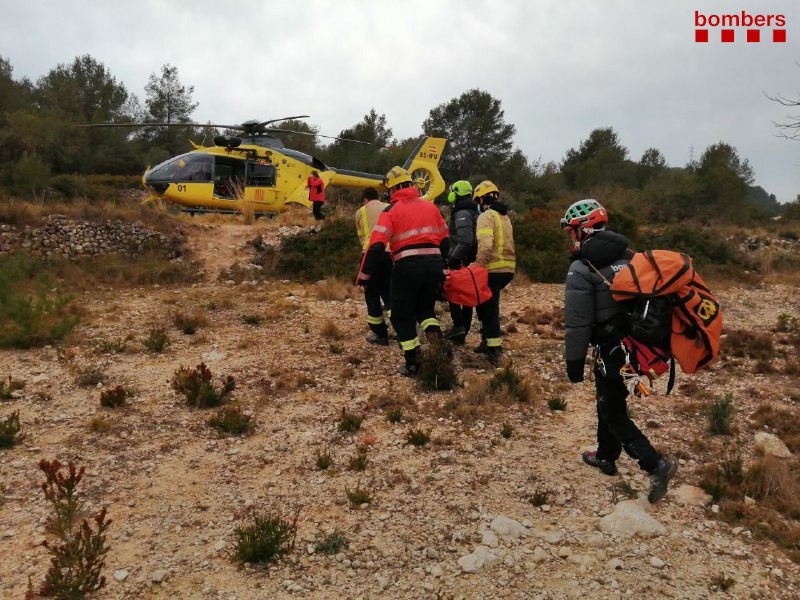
x=189, y=167
x=260, y=174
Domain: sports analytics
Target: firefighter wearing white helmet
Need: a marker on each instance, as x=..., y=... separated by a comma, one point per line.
x=497, y=254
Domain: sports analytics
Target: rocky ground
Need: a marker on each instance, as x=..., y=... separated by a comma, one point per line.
x=454, y=519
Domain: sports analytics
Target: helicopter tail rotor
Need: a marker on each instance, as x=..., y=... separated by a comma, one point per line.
x=423, y=165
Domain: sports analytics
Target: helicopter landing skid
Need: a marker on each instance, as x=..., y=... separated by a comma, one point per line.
x=222, y=211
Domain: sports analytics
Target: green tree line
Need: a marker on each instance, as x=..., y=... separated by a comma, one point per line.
x=39, y=142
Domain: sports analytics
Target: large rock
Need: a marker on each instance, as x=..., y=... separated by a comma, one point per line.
x=478, y=559
x=551, y=537
x=691, y=495
x=629, y=519
x=505, y=527
x=772, y=445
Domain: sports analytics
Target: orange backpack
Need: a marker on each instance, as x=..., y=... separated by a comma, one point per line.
x=696, y=313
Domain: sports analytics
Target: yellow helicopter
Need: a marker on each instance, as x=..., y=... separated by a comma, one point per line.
x=258, y=171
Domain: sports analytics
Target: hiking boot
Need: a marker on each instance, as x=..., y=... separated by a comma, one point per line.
x=482, y=348
x=493, y=355
x=659, y=479
x=606, y=466
x=408, y=370
x=378, y=340
x=457, y=335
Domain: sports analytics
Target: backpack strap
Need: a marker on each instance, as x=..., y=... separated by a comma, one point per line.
x=475, y=285
x=671, y=380
x=603, y=277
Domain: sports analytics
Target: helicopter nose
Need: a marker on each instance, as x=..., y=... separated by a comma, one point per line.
x=158, y=187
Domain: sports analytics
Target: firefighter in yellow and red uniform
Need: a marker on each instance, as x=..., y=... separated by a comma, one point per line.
x=377, y=288
x=496, y=253
x=418, y=237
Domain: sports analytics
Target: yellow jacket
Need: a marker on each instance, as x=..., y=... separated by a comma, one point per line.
x=495, y=242
x=366, y=217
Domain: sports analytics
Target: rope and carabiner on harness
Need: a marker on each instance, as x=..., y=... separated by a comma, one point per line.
x=631, y=378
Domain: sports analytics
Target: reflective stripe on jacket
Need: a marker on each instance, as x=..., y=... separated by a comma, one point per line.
x=496, y=242
x=409, y=221
x=366, y=217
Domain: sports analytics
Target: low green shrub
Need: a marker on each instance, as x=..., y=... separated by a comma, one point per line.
x=720, y=415
x=332, y=543
x=31, y=313
x=436, y=370
x=542, y=249
x=508, y=381
x=157, y=339
x=418, y=437
x=11, y=432
x=299, y=256
x=350, y=422
x=197, y=386
x=231, y=420
x=265, y=540
x=114, y=397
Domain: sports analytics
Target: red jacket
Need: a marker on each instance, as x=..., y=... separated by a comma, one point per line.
x=413, y=227
x=316, y=189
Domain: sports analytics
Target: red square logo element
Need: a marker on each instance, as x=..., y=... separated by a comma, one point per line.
x=778, y=35
x=701, y=35
x=753, y=35
x=727, y=35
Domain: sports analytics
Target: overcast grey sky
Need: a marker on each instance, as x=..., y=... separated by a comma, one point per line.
x=560, y=67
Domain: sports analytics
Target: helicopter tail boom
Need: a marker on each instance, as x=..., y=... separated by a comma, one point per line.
x=423, y=166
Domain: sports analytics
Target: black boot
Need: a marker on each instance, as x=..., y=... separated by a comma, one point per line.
x=659, y=479
x=373, y=338
x=493, y=354
x=457, y=335
x=606, y=466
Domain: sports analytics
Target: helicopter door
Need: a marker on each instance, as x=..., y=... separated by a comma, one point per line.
x=260, y=184
x=228, y=177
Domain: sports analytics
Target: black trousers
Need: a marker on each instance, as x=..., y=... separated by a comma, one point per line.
x=377, y=296
x=489, y=311
x=415, y=281
x=317, y=210
x=615, y=430
x=461, y=315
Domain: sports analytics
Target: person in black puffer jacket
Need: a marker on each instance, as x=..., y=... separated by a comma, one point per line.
x=593, y=317
x=463, y=250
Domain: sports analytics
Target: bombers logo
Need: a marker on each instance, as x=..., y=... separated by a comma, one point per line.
x=726, y=24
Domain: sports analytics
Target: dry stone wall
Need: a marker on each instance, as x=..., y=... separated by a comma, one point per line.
x=63, y=237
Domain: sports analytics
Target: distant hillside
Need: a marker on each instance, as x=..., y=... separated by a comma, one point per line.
x=758, y=197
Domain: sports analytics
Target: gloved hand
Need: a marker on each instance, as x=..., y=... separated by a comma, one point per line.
x=454, y=263
x=361, y=282
x=575, y=370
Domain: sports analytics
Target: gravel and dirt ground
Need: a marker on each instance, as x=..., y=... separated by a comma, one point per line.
x=175, y=489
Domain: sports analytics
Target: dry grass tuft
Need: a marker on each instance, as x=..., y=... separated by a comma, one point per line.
x=741, y=343
x=190, y=323
x=333, y=289
x=295, y=215
x=784, y=422
x=330, y=330
x=776, y=483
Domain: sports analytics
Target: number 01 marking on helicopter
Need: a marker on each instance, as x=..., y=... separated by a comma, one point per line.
x=181, y=187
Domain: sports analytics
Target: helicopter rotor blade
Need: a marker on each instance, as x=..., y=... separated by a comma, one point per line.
x=265, y=123
x=202, y=125
x=332, y=137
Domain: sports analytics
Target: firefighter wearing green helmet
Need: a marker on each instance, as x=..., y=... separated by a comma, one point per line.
x=463, y=248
